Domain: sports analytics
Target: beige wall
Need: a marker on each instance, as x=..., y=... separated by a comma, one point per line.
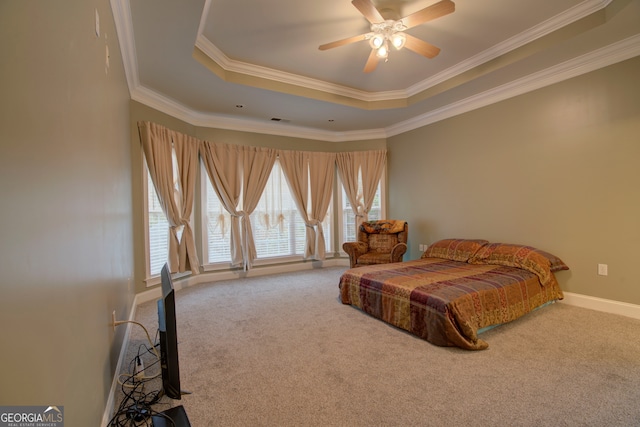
x=556, y=168
x=65, y=224
x=285, y=142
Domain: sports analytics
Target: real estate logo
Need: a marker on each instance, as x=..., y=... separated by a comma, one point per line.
x=31, y=416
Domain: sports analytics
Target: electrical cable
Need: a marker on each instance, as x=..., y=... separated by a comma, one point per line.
x=135, y=408
x=151, y=349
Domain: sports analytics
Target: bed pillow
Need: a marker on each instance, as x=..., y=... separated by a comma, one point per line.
x=556, y=264
x=454, y=249
x=541, y=263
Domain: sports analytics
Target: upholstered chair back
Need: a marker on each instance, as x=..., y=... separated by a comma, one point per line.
x=378, y=242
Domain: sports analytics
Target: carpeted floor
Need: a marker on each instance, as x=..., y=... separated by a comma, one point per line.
x=283, y=351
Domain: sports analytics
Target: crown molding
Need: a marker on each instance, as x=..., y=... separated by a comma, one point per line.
x=232, y=66
x=608, y=55
x=124, y=28
x=602, y=57
x=569, y=16
x=168, y=106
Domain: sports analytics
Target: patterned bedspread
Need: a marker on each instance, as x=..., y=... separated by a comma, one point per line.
x=445, y=302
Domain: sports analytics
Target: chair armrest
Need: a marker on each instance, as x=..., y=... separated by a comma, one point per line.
x=355, y=250
x=398, y=251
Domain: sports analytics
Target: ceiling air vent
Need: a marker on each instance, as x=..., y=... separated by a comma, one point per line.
x=277, y=119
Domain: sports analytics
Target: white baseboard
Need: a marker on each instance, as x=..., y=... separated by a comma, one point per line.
x=213, y=276
x=601, y=304
x=108, y=411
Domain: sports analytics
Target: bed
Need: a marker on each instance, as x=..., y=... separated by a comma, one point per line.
x=456, y=289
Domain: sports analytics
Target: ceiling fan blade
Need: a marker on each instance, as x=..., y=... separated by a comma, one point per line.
x=421, y=47
x=368, y=10
x=372, y=62
x=342, y=42
x=429, y=13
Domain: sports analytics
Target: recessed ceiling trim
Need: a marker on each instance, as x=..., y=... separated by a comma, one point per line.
x=376, y=100
x=230, y=65
x=124, y=28
x=291, y=89
x=169, y=106
x=162, y=103
x=603, y=57
x=557, y=22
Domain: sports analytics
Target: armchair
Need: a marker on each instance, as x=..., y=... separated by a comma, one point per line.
x=379, y=242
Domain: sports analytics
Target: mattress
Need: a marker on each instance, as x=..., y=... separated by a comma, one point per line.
x=443, y=301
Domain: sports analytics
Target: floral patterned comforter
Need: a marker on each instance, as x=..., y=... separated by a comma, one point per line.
x=446, y=302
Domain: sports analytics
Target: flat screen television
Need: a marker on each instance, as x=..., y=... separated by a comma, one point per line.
x=168, y=337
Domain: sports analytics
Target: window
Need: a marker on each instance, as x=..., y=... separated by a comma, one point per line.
x=217, y=222
x=349, y=218
x=158, y=231
x=278, y=228
x=157, y=224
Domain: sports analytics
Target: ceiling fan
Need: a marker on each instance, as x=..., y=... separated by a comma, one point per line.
x=388, y=32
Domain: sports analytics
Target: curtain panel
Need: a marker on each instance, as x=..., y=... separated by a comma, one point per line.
x=238, y=175
x=222, y=163
x=257, y=163
x=174, y=193
x=310, y=174
x=371, y=166
x=295, y=169
x=368, y=164
x=186, y=149
x=348, y=165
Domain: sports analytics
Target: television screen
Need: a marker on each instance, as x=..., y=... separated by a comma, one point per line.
x=168, y=337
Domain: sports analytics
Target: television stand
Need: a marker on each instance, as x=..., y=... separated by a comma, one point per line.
x=177, y=415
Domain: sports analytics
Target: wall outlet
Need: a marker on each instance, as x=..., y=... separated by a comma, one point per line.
x=421, y=247
x=603, y=269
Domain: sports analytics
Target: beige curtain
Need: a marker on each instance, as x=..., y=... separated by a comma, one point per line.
x=310, y=174
x=321, y=176
x=294, y=166
x=186, y=149
x=238, y=175
x=222, y=163
x=257, y=163
x=158, y=144
x=348, y=164
x=370, y=165
x=238, y=171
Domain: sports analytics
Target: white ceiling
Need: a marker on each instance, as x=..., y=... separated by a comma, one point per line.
x=198, y=60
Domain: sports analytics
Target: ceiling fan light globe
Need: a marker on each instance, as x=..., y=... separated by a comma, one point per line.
x=382, y=52
x=376, y=41
x=398, y=40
